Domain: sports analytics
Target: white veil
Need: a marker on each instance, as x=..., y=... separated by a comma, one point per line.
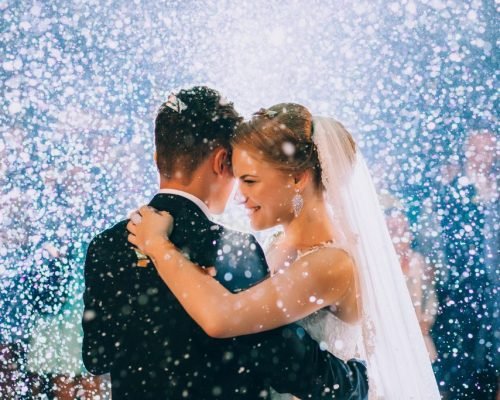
x=392, y=344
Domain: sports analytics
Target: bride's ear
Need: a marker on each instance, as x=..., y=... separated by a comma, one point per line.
x=302, y=179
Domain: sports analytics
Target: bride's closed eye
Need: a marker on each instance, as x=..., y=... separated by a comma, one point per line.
x=248, y=179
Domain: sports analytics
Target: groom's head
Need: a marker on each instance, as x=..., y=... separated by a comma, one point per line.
x=193, y=130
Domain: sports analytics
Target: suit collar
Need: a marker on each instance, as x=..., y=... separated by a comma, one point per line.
x=178, y=206
x=201, y=205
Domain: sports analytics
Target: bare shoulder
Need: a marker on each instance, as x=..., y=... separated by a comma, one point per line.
x=328, y=261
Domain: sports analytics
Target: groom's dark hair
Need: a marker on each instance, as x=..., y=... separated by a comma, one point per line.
x=189, y=126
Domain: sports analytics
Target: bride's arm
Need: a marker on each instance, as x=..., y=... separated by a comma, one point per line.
x=309, y=284
x=316, y=280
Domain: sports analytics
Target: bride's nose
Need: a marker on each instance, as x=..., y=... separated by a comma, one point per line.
x=239, y=197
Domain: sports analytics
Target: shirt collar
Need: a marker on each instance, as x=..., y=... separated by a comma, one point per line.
x=203, y=207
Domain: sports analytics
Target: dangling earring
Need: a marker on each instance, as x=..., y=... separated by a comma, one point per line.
x=297, y=203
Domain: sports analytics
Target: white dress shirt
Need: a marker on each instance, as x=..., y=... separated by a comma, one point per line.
x=190, y=197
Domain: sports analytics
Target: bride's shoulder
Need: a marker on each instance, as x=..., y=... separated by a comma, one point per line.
x=328, y=259
x=326, y=248
x=331, y=269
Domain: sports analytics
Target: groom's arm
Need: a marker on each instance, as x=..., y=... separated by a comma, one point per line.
x=290, y=361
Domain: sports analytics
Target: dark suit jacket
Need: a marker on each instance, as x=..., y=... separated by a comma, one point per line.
x=136, y=329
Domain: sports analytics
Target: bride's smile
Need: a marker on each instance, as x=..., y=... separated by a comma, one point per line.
x=252, y=210
x=266, y=191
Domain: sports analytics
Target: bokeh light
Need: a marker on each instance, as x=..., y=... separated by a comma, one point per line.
x=80, y=83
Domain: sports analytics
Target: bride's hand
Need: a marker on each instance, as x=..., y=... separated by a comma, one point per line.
x=148, y=227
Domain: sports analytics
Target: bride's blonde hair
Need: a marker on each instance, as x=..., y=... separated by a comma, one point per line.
x=282, y=136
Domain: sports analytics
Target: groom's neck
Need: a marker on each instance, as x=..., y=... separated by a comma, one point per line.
x=195, y=187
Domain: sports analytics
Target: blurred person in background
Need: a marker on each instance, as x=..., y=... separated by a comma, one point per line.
x=482, y=171
x=24, y=289
x=29, y=288
x=54, y=352
x=467, y=321
x=54, y=357
x=418, y=272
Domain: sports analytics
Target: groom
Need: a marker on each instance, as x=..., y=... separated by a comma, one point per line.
x=135, y=329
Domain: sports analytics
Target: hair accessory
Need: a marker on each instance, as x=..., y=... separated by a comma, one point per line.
x=223, y=101
x=266, y=113
x=175, y=103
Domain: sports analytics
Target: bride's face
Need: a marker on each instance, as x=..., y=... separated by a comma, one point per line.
x=267, y=191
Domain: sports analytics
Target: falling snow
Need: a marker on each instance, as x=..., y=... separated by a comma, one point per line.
x=415, y=81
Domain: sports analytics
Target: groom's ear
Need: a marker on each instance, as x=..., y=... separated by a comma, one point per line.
x=220, y=163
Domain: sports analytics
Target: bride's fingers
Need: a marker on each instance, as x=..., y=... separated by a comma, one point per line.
x=135, y=217
x=170, y=221
x=168, y=216
x=131, y=227
x=212, y=271
x=133, y=239
x=146, y=209
x=131, y=213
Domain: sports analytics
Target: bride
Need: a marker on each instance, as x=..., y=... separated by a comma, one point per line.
x=333, y=267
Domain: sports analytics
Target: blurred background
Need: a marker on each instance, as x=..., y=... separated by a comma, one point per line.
x=415, y=81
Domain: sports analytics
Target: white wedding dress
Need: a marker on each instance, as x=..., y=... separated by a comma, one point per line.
x=342, y=339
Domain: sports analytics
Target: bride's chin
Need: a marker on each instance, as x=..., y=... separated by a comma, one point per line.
x=256, y=224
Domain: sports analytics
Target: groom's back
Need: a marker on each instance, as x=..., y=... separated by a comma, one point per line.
x=136, y=329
